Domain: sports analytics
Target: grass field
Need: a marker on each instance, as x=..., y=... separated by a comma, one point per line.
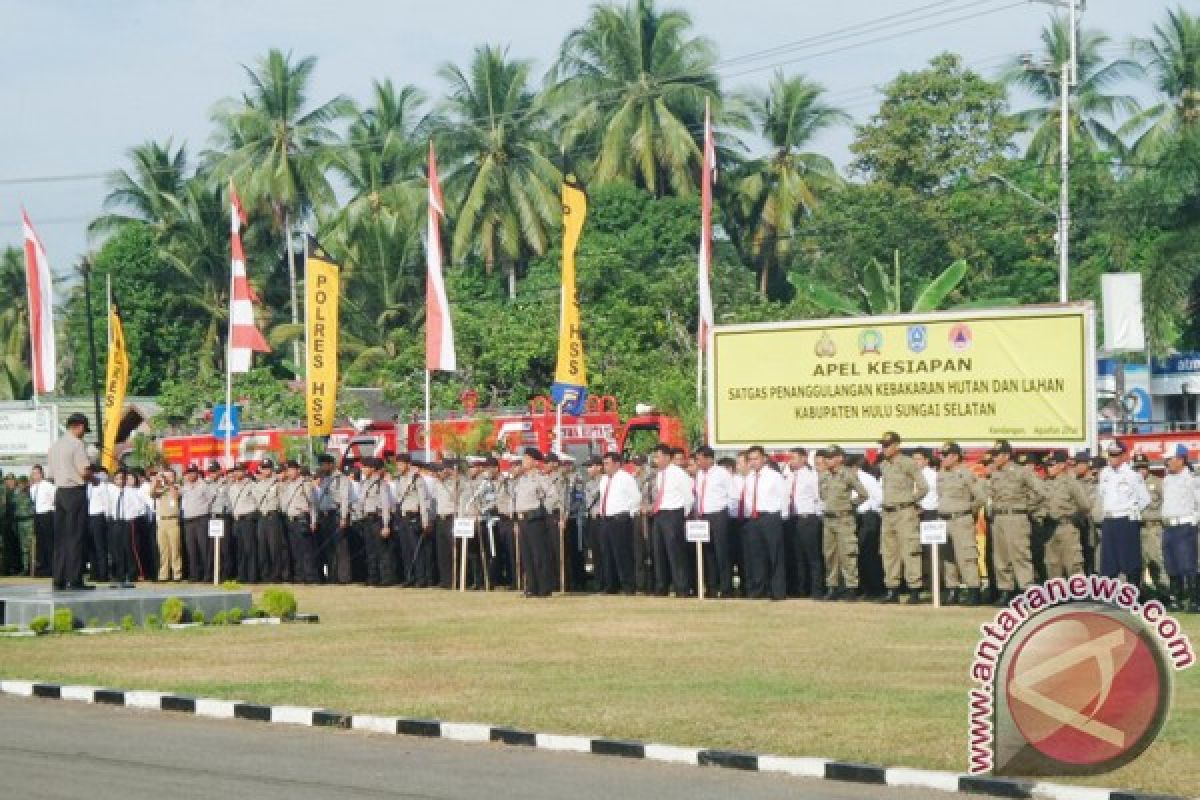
x=861, y=682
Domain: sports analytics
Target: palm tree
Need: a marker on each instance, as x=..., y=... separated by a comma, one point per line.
x=1172, y=59
x=878, y=294
x=143, y=193
x=1094, y=107
x=276, y=147
x=14, y=327
x=636, y=80
x=786, y=184
x=379, y=228
x=505, y=186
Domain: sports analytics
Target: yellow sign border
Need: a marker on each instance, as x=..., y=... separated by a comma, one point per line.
x=1083, y=312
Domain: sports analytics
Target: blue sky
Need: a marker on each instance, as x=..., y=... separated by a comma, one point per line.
x=82, y=81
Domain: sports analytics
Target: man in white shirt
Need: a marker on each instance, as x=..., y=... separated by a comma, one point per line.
x=870, y=521
x=673, y=493
x=764, y=494
x=927, y=506
x=620, y=501
x=805, y=566
x=42, y=492
x=125, y=506
x=1180, y=514
x=714, y=494
x=1123, y=497
x=97, y=499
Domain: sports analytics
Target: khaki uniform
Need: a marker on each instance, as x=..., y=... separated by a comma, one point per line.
x=1152, y=528
x=1063, y=500
x=841, y=491
x=900, y=539
x=23, y=517
x=1013, y=492
x=170, y=544
x=960, y=492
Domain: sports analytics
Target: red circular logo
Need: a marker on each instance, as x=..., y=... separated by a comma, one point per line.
x=1087, y=689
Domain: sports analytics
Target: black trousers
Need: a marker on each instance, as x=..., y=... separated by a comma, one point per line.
x=43, y=528
x=870, y=561
x=197, y=547
x=443, y=549
x=807, y=539
x=618, y=544
x=670, y=552
x=228, y=549
x=606, y=559
x=120, y=549
x=406, y=535
x=70, y=527
x=380, y=559
x=1121, y=550
x=302, y=542
x=643, y=553
x=763, y=539
x=98, y=531
x=245, y=536
x=504, y=559
x=718, y=554
x=537, y=555
x=343, y=544
x=424, y=559
x=271, y=549
x=324, y=546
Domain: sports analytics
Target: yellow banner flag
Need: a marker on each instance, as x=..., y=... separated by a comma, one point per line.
x=116, y=382
x=321, y=290
x=570, y=376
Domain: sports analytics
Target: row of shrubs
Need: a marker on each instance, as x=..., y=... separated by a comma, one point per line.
x=275, y=603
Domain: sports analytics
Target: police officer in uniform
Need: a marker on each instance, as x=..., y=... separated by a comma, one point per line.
x=960, y=493
x=412, y=516
x=900, y=538
x=841, y=491
x=221, y=509
x=374, y=506
x=272, y=552
x=1063, y=500
x=243, y=502
x=1152, y=528
x=1013, y=492
x=445, y=500
x=530, y=491
x=195, y=504
x=300, y=516
x=504, y=564
x=1181, y=513
x=1123, y=499
x=558, y=506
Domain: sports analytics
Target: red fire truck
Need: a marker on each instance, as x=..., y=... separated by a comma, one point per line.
x=600, y=429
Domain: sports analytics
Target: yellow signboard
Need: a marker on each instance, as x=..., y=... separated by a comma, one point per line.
x=1022, y=374
x=322, y=291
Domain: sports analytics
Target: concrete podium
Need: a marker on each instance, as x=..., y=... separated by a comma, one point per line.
x=20, y=603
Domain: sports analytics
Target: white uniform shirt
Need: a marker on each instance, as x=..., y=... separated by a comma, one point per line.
x=672, y=490
x=804, y=492
x=97, y=495
x=1181, y=497
x=714, y=490
x=930, y=501
x=765, y=492
x=126, y=503
x=42, y=494
x=735, y=498
x=619, y=494
x=146, y=490
x=874, y=501
x=1122, y=492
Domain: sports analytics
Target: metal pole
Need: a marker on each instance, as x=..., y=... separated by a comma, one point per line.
x=291, y=259
x=427, y=432
x=91, y=334
x=1064, y=212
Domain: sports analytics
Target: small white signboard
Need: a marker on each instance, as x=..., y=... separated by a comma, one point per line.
x=216, y=529
x=697, y=531
x=933, y=532
x=464, y=527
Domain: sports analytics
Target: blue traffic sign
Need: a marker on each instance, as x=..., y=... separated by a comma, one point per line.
x=227, y=420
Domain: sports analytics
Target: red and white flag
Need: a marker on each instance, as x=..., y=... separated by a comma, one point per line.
x=40, y=288
x=439, y=331
x=704, y=265
x=244, y=336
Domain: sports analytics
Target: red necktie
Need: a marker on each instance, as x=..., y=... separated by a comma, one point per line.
x=700, y=494
x=754, y=501
x=604, y=500
x=662, y=490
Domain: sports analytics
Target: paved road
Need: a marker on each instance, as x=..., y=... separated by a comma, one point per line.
x=55, y=749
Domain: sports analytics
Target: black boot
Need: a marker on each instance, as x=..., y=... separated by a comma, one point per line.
x=914, y=597
x=832, y=594
x=849, y=595
x=950, y=597
x=892, y=596
x=973, y=597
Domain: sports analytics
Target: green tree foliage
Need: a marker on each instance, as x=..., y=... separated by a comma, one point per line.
x=15, y=380
x=935, y=127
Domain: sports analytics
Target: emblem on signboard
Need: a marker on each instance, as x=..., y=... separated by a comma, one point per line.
x=825, y=347
x=870, y=341
x=918, y=338
x=960, y=336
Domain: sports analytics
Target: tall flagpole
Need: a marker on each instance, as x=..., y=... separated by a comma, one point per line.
x=307, y=345
x=704, y=323
x=229, y=369
x=428, y=434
